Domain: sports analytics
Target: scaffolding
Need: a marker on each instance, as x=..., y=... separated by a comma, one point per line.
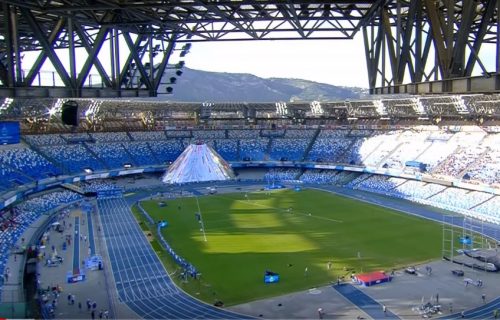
x=466, y=241
x=448, y=238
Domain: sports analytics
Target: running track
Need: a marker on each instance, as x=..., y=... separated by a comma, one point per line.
x=141, y=280
x=366, y=303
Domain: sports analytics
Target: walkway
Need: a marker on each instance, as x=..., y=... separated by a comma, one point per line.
x=364, y=302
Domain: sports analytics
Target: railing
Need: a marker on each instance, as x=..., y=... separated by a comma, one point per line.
x=52, y=79
x=188, y=267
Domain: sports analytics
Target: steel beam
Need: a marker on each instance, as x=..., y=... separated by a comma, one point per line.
x=49, y=50
x=403, y=39
x=404, y=56
x=3, y=73
x=37, y=65
x=457, y=67
x=127, y=71
x=65, y=92
x=435, y=23
x=71, y=48
x=8, y=79
x=138, y=62
x=486, y=18
x=92, y=51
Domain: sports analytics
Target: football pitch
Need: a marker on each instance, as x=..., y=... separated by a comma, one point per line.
x=309, y=237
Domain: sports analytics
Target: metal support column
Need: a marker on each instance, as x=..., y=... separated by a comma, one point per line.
x=72, y=61
x=447, y=243
x=117, y=62
x=9, y=79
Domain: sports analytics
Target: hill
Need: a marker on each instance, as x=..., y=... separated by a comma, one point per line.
x=197, y=85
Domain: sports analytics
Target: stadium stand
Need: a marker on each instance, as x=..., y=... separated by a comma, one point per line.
x=460, y=164
x=253, y=149
x=23, y=215
x=288, y=149
x=141, y=153
x=28, y=162
x=74, y=158
x=281, y=174
x=467, y=153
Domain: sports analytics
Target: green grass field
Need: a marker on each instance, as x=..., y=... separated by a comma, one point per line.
x=245, y=237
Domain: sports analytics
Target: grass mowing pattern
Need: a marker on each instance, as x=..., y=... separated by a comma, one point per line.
x=246, y=236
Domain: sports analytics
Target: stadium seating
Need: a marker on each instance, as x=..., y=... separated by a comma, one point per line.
x=110, y=136
x=28, y=162
x=329, y=146
x=299, y=134
x=253, y=149
x=11, y=178
x=75, y=158
x=243, y=134
x=113, y=155
x=467, y=153
x=167, y=150
x=319, y=176
x=148, y=135
x=45, y=139
x=281, y=174
x=141, y=153
x=227, y=149
x=288, y=149
x=23, y=215
x=208, y=134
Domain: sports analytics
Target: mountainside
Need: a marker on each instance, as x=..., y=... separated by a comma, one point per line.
x=199, y=86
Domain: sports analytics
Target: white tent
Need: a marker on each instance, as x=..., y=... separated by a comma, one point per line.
x=197, y=163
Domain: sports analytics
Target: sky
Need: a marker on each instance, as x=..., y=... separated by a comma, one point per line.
x=337, y=62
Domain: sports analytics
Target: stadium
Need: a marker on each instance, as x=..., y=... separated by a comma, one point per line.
x=115, y=203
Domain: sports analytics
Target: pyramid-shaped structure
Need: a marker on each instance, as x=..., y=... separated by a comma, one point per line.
x=197, y=163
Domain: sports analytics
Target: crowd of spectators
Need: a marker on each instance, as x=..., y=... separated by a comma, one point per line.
x=272, y=133
x=178, y=133
x=467, y=149
x=412, y=144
